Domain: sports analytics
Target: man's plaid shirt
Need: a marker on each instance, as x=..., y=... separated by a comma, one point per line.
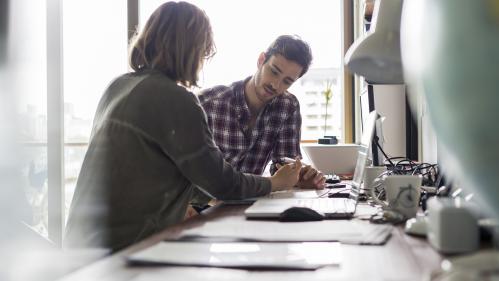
x=276, y=132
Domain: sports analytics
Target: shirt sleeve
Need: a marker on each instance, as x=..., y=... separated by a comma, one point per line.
x=288, y=139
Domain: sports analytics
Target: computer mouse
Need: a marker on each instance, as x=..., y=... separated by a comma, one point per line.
x=416, y=226
x=296, y=214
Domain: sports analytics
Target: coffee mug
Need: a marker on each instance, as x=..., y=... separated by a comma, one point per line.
x=370, y=174
x=402, y=194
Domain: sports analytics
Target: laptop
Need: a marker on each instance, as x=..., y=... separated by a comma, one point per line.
x=268, y=208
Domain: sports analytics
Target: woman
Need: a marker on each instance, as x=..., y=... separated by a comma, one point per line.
x=151, y=152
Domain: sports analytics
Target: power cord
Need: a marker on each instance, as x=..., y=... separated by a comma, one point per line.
x=330, y=194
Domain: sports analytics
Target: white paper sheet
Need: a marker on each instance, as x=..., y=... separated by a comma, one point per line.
x=309, y=255
x=345, y=231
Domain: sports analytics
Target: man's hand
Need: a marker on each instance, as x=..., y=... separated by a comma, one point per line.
x=287, y=176
x=311, y=178
x=191, y=212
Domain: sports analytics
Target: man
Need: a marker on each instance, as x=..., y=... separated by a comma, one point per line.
x=257, y=120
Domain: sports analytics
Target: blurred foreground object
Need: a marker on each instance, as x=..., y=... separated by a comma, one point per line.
x=450, y=57
x=450, y=54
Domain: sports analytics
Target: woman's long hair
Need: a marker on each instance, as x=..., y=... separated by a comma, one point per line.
x=176, y=40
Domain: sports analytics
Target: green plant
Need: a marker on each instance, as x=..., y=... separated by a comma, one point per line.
x=328, y=94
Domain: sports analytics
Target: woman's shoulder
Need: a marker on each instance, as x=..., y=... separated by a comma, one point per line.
x=159, y=87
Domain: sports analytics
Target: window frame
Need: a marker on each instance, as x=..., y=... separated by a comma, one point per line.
x=55, y=123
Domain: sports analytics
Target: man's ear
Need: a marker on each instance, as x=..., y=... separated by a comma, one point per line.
x=261, y=59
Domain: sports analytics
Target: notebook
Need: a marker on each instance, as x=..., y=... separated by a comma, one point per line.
x=328, y=207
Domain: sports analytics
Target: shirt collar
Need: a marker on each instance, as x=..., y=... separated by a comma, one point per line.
x=241, y=106
x=239, y=92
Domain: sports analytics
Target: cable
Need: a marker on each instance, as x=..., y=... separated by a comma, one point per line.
x=329, y=193
x=341, y=191
x=323, y=194
x=376, y=141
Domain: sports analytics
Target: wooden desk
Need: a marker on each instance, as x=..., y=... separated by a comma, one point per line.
x=402, y=258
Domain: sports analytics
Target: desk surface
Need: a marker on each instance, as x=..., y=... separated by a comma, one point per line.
x=402, y=258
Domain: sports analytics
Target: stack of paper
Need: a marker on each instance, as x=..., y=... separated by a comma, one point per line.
x=344, y=231
x=306, y=256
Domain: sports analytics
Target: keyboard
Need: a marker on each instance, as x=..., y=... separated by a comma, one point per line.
x=325, y=205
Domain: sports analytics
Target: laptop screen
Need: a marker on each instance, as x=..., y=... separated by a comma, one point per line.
x=365, y=146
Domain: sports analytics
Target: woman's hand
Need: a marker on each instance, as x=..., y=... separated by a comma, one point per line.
x=287, y=176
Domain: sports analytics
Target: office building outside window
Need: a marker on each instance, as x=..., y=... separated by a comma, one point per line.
x=244, y=29
x=95, y=52
x=28, y=65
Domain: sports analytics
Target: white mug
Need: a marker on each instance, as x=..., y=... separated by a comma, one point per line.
x=370, y=174
x=402, y=194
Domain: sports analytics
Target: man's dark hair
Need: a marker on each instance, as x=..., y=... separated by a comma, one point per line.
x=293, y=48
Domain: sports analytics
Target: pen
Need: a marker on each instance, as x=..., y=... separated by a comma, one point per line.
x=287, y=160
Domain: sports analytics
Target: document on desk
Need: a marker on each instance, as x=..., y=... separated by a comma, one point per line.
x=344, y=231
x=306, y=256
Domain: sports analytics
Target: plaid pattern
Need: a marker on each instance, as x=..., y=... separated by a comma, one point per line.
x=276, y=132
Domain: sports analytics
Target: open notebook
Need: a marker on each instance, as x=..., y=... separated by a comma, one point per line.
x=329, y=207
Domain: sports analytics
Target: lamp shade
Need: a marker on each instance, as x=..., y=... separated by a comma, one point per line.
x=376, y=55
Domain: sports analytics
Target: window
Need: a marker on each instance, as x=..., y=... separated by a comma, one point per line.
x=95, y=52
x=78, y=47
x=28, y=70
x=244, y=29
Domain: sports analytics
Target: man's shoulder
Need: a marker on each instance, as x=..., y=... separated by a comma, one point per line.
x=219, y=92
x=287, y=100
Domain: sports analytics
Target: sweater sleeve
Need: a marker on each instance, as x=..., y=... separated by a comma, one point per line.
x=189, y=143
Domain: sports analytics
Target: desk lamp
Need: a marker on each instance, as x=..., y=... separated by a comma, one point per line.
x=450, y=56
x=376, y=55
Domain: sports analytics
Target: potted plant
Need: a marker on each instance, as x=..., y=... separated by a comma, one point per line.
x=328, y=94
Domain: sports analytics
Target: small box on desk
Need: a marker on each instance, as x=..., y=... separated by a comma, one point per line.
x=452, y=225
x=328, y=140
